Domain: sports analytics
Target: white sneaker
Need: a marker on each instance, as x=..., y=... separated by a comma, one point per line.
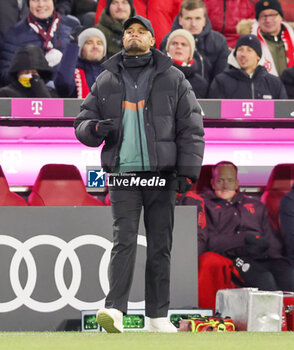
x=111, y=320
x=161, y=324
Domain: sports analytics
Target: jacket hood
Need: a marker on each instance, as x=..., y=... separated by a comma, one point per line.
x=162, y=61
x=30, y=57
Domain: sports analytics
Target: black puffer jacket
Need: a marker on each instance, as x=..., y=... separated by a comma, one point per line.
x=235, y=83
x=211, y=50
x=287, y=78
x=172, y=117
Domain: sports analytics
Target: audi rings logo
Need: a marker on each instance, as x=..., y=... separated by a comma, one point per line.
x=67, y=252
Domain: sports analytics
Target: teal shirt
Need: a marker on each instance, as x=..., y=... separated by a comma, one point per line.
x=134, y=151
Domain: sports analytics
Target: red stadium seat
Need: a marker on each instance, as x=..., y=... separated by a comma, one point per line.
x=203, y=183
x=8, y=198
x=60, y=185
x=279, y=183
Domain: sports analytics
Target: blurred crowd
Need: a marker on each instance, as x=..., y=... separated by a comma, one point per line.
x=230, y=49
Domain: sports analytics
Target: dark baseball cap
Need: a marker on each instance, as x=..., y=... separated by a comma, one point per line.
x=139, y=19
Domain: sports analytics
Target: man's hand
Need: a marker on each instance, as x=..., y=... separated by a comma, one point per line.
x=183, y=184
x=74, y=35
x=103, y=127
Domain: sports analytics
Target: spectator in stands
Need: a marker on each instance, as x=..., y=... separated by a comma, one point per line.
x=11, y=12
x=81, y=64
x=246, y=77
x=237, y=227
x=180, y=47
x=161, y=13
x=44, y=27
x=276, y=36
x=287, y=78
x=28, y=74
x=225, y=15
x=111, y=23
x=211, y=47
x=85, y=11
x=287, y=222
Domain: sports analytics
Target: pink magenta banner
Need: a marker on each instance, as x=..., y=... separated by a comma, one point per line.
x=37, y=108
x=250, y=109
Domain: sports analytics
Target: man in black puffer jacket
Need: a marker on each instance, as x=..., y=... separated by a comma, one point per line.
x=148, y=115
x=246, y=77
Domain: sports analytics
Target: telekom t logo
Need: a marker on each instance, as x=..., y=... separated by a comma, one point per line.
x=247, y=107
x=37, y=106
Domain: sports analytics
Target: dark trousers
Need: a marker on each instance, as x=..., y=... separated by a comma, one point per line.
x=158, y=219
x=270, y=274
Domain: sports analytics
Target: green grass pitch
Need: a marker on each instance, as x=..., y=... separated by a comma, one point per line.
x=145, y=340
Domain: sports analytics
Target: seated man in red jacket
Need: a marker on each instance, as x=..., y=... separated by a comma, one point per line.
x=237, y=228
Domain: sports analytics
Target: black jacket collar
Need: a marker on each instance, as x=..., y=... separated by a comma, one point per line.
x=161, y=61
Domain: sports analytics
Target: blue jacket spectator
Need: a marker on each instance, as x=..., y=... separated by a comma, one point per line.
x=81, y=64
x=287, y=222
x=46, y=29
x=246, y=77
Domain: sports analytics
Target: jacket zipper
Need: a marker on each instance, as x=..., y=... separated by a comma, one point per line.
x=116, y=155
x=139, y=126
x=252, y=89
x=201, y=59
x=148, y=121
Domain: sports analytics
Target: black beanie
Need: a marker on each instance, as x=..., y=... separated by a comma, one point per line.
x=108, y=2
x=262, y=5
x=251, y=41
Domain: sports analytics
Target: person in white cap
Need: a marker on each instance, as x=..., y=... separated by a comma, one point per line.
x=81, y=64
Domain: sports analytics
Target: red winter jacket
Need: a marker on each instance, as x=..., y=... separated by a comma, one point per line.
x=161, y=13
x=225, y=15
